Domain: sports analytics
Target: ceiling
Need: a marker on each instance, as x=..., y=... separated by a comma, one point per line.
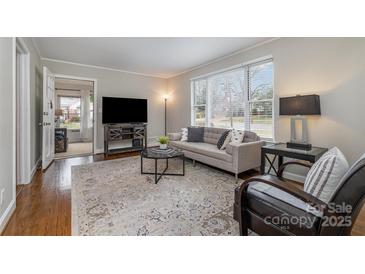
x=161, y=57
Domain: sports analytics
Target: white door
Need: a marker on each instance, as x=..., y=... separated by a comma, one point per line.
x=48, y=118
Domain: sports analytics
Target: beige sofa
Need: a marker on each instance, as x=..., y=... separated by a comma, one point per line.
x=236, y=158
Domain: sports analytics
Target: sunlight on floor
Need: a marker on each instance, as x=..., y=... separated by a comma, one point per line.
x=76, y=149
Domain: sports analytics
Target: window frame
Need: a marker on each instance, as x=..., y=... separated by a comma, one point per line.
x=246, y=92
x=249, y=101
x=194, y=106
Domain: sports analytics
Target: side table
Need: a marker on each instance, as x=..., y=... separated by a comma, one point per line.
x=280, y=151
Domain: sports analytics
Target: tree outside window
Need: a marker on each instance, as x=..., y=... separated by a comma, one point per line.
x=240, y=98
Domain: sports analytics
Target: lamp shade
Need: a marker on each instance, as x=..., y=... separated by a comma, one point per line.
x=300, y=105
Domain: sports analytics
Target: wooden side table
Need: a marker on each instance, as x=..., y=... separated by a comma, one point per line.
x=280, y=151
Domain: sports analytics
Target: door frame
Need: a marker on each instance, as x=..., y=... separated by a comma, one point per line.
x=95, y=114
x=23, y=110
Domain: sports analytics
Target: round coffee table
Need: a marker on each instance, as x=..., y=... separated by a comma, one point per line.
x=162, y=154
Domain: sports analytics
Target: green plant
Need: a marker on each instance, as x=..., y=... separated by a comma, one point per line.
x=163, y=140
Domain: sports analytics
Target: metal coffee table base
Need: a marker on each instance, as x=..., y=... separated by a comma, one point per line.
x=158, y=175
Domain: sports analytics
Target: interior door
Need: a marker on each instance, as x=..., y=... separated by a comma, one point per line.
x=48, y=118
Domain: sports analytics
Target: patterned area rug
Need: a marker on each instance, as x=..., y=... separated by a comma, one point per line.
x=113, y=198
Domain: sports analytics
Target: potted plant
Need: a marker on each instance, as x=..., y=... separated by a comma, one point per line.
x=163, y=140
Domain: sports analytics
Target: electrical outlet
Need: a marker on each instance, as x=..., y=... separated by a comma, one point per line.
x=2, y=196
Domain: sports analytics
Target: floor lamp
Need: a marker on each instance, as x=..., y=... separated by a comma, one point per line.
x=165, y=98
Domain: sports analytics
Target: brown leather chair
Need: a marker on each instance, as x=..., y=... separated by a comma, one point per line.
x=268, y=205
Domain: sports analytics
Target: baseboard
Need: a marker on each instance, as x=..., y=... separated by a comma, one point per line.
x=289, y=175
x=34, y=169
x=6, y=216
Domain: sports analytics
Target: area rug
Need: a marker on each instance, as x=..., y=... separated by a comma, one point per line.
x=113, y=198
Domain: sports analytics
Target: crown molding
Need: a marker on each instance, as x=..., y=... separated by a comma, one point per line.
x=105, y=68
x=36, y=47
x=158, y=75
x=226, y=56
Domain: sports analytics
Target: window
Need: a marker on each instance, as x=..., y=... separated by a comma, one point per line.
x=260, y=99
x=240, y=98
x=226, y=100
x=70, y=114
x=199, y=102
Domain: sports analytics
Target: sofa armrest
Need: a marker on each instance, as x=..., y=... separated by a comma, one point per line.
x=246, y=155
x=174, y=136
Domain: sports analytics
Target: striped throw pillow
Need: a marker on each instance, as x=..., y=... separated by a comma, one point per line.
x=325, y=175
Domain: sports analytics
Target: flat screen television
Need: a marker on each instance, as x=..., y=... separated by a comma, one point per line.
x=124, y=110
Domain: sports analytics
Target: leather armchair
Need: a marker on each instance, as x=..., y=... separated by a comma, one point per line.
x=269, y=205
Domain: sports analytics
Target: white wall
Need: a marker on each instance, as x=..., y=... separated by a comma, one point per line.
x=7, y=138
x=120, y=84
x=334, y=68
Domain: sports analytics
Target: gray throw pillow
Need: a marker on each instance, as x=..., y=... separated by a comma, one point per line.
x=196, y=134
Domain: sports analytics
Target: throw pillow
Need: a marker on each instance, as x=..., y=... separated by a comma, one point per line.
x=196, y=134
x=184, y=134
x=237, y=136
x=224, y=140
x=325, y=175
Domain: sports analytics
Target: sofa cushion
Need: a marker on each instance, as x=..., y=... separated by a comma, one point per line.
x=229, y=149
x=209, y=150
x=212, y=135
x=196, y=134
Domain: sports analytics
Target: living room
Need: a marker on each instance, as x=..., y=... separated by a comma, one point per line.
x=250, y=135
x=242, y=91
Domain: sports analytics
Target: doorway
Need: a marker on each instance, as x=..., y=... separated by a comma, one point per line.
x=74, y=117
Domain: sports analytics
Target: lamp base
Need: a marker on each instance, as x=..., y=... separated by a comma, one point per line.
x=299, y=146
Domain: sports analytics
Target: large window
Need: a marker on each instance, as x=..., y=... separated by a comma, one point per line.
x=241, y=98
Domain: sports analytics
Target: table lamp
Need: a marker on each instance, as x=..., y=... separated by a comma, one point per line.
x=299, y=107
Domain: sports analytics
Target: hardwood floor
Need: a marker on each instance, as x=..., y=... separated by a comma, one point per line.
x=44, y=206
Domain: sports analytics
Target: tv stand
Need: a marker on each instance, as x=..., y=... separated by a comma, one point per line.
x=119, y=138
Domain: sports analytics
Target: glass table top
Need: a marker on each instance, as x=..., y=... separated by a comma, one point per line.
x=157, y=153
x=282, y=147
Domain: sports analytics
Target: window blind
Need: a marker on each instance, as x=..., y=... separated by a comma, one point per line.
x=240, y=98
x=260, y=99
